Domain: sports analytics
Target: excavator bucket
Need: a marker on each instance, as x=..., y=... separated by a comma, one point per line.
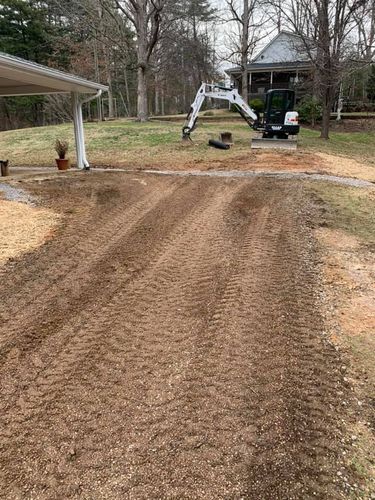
x=275, y=143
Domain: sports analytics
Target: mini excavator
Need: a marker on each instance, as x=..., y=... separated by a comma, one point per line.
x=278, y=123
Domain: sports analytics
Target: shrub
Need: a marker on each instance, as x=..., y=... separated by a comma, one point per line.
x=208, y=113
x=309, y=110
x=257, y=105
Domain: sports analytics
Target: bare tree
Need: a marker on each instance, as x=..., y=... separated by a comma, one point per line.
x=186, y=50
x=248, y=21
x=365, y=19
x=326, y=30
x=101, y=31
x=145, y=16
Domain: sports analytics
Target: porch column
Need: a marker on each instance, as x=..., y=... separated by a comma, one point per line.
x=271, y=79
x=79, y=135
x=250, y=80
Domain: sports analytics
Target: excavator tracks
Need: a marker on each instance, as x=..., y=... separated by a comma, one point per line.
x=167, y=343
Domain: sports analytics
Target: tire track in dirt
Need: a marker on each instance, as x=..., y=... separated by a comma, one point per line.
x=163, y=259
x=143, y=297
x=197, y=373
x=285, y=421
x=97, y=250
x=86, y=301
x=85, y=239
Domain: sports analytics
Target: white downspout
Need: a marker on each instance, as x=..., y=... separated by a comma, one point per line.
x=79, y=134
x=77, y=125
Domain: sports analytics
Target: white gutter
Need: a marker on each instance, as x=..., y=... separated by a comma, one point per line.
x=92, y=97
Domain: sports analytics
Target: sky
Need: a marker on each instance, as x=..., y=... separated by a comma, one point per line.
x=221, y=34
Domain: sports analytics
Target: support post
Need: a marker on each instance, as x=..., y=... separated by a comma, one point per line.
x=82, y=162
x=271, y=80
x=250, y=82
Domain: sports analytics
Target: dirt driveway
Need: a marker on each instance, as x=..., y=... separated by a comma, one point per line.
x=167, y=343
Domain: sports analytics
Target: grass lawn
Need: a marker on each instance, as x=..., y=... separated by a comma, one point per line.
x=347, y=237
x=348, y=209
x=357, y=145
x=128, y=143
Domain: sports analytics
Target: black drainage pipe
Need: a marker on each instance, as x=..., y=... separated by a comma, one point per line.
x=218, y=144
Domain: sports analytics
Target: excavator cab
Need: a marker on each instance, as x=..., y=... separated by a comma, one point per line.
x=279, y=119
x=278, y=102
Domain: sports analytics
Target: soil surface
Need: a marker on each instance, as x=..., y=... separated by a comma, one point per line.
x=23, y=228
x=233, y=160
x=255, y=160
x=349, y=278
x=167, y=343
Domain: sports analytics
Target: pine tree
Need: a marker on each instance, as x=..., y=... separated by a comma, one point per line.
x=24, y=30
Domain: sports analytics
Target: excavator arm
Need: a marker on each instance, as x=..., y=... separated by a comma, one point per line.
x=217, y=92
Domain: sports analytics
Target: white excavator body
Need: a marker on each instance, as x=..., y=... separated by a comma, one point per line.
x=279, y=120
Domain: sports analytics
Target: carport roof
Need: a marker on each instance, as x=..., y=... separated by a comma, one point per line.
x=21, y=77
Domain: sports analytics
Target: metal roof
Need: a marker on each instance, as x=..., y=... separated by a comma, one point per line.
x=271, y=42
x=21, y=77
x=272, y=66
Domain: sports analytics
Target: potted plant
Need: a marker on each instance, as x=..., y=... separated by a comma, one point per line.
x=61, y=148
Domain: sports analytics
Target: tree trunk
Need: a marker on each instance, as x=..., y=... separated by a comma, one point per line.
x=324, y=133
x=142, y=98
x=162, y=102
x=127, y=93
x=142, y=101
x=328, y=97
x=97, y=79
x=244, y=51
x=109, y=82
x=157, y=107
x=183, y=82
x=110, y=99
x=340, y=104
x=244, y=86
x=145, y=16
x=371, y=37
x=124, y=104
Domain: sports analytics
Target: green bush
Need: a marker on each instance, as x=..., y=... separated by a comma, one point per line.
x=309, y=110
x=257, y=105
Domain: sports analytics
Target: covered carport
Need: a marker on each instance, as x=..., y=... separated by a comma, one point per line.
x=19, y=77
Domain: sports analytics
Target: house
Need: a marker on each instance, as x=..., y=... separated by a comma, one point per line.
x=283, y=63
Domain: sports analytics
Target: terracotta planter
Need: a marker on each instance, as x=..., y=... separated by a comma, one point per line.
x=63, y=164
